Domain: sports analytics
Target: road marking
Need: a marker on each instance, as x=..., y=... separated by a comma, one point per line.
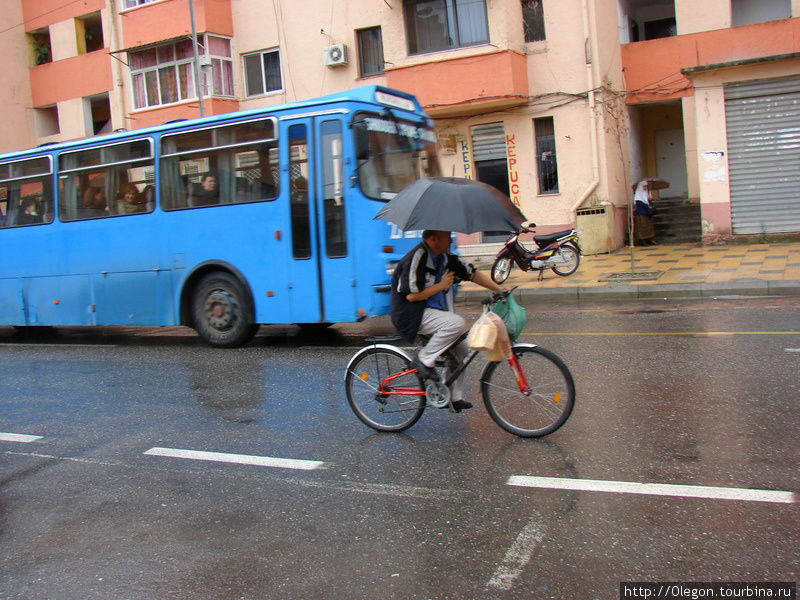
x=654, y=489
x=792, y=349
x=661, y=333
x=518, y=555
x=242, y=459
x=19, y=437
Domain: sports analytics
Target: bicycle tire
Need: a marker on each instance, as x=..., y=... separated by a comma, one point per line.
x=368, y=367
x=549, y=402
x=572, y=258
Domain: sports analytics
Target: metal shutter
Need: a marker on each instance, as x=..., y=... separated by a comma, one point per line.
x=763, y=125
x=488, y=142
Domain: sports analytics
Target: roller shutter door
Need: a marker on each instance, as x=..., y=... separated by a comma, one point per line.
x=763, y=125
x=488, y=142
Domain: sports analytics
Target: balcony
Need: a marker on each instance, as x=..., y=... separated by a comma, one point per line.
x=76, y=77
x=41, y=13
x=653, y=68
x=152, y=23
x=465, y=85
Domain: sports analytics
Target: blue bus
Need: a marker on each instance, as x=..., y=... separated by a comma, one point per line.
x=220, y=223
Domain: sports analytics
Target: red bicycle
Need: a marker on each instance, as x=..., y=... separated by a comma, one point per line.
x=530, y=395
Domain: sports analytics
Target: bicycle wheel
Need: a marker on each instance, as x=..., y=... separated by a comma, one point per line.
x=384, y=412
x=501, y=269
x=569, y=259
x=548, y=402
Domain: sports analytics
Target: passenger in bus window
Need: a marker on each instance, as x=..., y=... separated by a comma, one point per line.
x=29, y=212
x=94, y=203
x=206, y=193
x=149, y=197
x=129, y=202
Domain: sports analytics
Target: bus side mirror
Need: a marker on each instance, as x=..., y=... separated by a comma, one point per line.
x=361, y=140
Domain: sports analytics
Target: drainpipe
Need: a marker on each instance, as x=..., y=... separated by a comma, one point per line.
x=592, y=115
x=116, y=70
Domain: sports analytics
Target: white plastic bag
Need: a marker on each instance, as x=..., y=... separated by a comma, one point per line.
x=483, y=334
x=501, y=350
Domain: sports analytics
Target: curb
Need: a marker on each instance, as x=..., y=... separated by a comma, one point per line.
x=745, y=287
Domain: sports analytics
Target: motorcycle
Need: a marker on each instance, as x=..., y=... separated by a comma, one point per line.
x=557, y=251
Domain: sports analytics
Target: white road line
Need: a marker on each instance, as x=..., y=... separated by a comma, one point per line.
x=19, y=437
x=242, y=459
x=518, y=555
x=654, y=489
x=792, y=349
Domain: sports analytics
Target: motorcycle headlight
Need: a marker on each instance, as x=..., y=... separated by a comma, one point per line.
x=390, y=267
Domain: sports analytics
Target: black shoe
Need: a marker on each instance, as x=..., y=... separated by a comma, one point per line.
x=460, y=405
x=425, y=371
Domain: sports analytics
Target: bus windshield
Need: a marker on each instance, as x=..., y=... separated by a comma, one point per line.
x=400, y=152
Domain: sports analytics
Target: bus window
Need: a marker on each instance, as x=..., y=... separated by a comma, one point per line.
x=298, y=187
x=229, y=164
x=106, y=181
x=333, y=189
x=26, y=192
x=399, y=153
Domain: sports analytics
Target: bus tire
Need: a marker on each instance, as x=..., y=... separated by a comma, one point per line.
x=222, y=311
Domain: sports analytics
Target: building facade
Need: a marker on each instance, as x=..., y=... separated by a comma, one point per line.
x=564, y=104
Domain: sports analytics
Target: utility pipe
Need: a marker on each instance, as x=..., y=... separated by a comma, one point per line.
x=592, y=115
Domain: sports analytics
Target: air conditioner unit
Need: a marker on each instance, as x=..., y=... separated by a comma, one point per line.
x=335, y=55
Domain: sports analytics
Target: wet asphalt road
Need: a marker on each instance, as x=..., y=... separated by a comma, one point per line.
x=702, y=394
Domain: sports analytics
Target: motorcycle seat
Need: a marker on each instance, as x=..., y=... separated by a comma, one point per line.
x=543, y=240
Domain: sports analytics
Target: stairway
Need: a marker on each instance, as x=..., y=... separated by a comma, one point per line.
x=677, y=221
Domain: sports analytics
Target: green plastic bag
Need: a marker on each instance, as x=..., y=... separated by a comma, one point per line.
x=513, y=315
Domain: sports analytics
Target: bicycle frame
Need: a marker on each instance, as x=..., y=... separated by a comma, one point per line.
x=385, y=388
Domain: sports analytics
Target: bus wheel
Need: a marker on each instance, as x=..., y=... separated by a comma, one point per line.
x=222, y=311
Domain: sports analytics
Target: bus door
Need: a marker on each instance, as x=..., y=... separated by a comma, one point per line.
x=321, y=278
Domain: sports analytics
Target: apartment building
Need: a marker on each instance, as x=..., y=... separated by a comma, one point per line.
x=564, y=104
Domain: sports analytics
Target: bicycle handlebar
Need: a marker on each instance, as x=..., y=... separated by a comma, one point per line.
x=497, y=296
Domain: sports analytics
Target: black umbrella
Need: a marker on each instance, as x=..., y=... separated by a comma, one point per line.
x=452, y=204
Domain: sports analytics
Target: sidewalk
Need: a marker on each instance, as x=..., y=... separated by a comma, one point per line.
x=686, y=270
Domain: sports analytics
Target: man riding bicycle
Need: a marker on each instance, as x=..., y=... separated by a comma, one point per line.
x=422, y=303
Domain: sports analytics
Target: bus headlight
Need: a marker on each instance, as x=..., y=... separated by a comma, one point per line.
x=390, y=267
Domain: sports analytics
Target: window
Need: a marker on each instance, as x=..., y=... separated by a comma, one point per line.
x=106, y=181
x=533, y=20
x=132, y=3
x=26, y=196
x=747, y=12
x=230, y=164
x=333, y=189
x=262, y=72
x=370, y=51
x=165, y=74
x=546, y=165
x=298, y=187
x=433, y=25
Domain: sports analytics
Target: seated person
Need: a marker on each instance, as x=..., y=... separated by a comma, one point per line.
x=93, y=204
x=206, y=193
x=129, y=202
x=29, y=212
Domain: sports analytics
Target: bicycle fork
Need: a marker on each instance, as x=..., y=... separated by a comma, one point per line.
x=519, y=374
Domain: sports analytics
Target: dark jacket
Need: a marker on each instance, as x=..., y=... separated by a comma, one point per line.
x=413, y=274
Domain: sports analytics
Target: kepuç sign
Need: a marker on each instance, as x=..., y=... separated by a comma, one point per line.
x=513, y=173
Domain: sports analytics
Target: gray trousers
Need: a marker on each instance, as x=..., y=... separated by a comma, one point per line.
x=444, y=327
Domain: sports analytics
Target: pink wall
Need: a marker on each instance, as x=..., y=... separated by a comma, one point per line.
x=477, y=82
x=74, y=77
x=40, y=13
x=160, y=21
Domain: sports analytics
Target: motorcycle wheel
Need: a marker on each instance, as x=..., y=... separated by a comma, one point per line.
x=501, y=269
x=569, y=259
